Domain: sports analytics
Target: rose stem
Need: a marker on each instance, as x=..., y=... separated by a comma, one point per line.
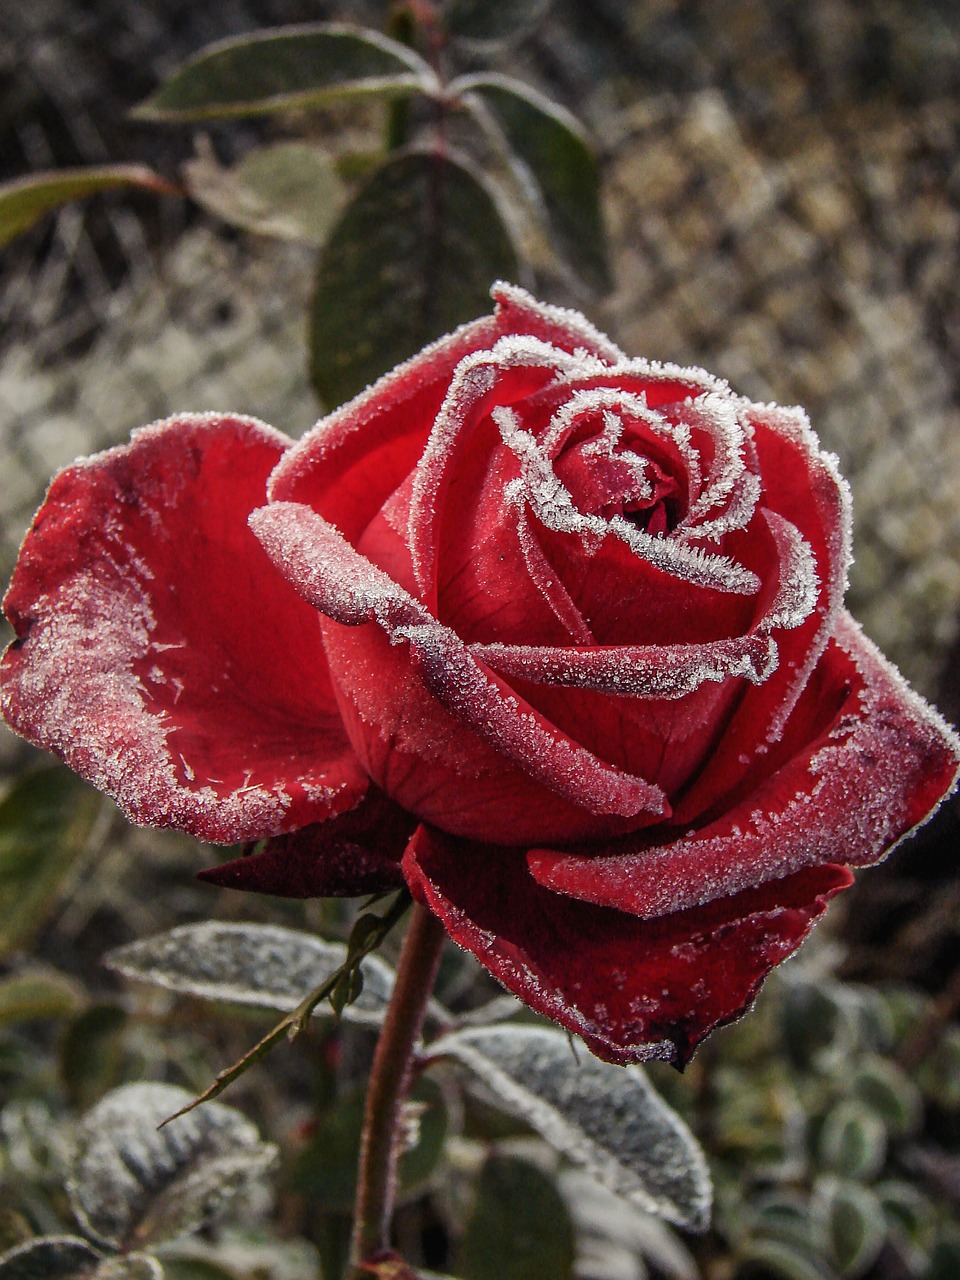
x=389, y=1080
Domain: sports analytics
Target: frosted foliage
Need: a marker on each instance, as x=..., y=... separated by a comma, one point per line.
x=604, y=1118
x=130, y=1266
x=132, y=1184
x=262, y=965
x=51, y=1258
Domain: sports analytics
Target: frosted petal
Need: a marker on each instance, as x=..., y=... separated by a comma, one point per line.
x=343, y=585
x=158, y=652
x=879, y=770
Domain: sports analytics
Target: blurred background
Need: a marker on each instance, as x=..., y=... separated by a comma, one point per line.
x=782, y=192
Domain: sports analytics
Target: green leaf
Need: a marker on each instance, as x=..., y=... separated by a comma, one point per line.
x=853, y=1141
x=413, y=256
x=46, y=820
x=290, y=190
x=91, y=1054
x=852, y=1222
x=286, y=68
x=493, y=21
x=889, y=1092
x=25, y=200
x=133, y=1183
x=49, y=1258
x=519, y=1228
x=325, y=1170
x=769, y=1260
x=556, y=165
x=36, y=997
x=130, y=1266
x=607, y=1119
x=261, y=965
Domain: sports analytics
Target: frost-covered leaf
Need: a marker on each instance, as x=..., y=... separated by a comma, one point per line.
x=25, y=200
x=29, y=997
x=485, y=22
x=851, y=1222
x=133, y=1184
x=130, y=1266
x=556, y=164
x=290, y=190
x=50, y=1258
x=413, y=256
x=775, y=1261
x=607, y=1119
x=262, y=965
x=46, y=819
x=286, y=68
x=853, y=1141
x=539, y=1241
x=614, y=1235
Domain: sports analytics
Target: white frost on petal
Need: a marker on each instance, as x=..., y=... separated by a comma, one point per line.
x=554, y=507
x=799, y=584
x=653, y=671
x=87, y=704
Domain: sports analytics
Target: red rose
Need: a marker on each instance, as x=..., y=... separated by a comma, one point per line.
x=577, y=617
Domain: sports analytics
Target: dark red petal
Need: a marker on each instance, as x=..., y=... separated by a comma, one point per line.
x=161, y=655
x=354, y=853
x=878, y=767
x=438, y=731
x=634, y=989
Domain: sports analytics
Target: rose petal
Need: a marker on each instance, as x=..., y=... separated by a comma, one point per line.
x=353, y=459
x=803, y=486
x=878, y=767
x=634, y=989
x=161, y=655
x=432, y=726
x=354, y=853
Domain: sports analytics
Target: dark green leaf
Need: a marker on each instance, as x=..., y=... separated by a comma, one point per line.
x=91, y=1055
x=32, y=997
x=46, y=820
x=817, y=1029
x=263, y=965
x=852, y=1223
x=519, y=1229
x=493, y=21
x=853, y=1141
x=49, y=1258
x=130, y=1266
x=133, y=1183
x=413, y=256
x=325, y=1170
x=25, y=200
x=284, y=68
x=290, y=190
x=769, y=1260
x=889, y=1092
x=553, y=155
x=607, y=1119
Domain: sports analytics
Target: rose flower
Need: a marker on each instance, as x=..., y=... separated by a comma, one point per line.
x=553, y=635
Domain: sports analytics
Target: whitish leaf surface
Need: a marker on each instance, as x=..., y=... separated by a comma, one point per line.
x=493, y=21
x=540, y=1239
x=284, y=68
x=556, y=163
x=46, y=819
x=133, y=1184
x=607, y=1119
x=49, y=1258
x=129, y=1266
x=262, y=965
x=413, y=256
x=24, y=201
x=289, y=190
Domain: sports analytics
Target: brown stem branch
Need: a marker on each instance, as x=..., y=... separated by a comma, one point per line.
x=389, y=1080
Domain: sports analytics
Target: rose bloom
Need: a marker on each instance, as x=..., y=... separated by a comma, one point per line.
x=553, y=635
